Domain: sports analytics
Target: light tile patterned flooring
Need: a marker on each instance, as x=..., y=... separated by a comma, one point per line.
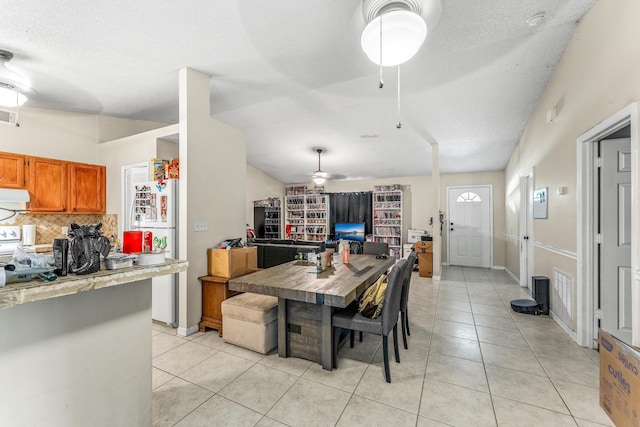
x=471, y=361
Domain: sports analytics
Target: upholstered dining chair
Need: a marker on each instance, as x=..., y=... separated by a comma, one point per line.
x=349, y=318
x=404, y=299
x=355, y=247
x=375, y=248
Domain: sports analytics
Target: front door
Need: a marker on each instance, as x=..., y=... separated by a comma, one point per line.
x=470, y=226
x=615, y=229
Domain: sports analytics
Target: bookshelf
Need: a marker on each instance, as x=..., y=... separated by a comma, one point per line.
x=387, y=217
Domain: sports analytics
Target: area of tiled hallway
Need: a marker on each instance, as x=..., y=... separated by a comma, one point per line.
x=471, y=361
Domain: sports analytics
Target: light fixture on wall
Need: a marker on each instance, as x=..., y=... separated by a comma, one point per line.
x=12, y=86
x=319, y=176
x=395, y=30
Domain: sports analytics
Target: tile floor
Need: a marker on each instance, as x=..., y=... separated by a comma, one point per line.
x=471, y=362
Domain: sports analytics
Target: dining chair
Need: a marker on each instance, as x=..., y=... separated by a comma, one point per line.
x=355, y=247
x=349, y=318
x=375, y=248
x=404, y=299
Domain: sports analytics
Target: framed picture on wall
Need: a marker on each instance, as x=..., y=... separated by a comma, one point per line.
x=540, y=200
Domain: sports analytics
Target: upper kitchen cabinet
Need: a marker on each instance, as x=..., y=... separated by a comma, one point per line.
x=87, y=188
x=48, y=184
x=11, y=170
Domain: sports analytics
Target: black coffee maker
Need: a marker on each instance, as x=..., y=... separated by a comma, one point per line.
x=86, y=246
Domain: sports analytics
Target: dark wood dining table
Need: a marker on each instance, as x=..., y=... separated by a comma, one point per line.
x=307, y=299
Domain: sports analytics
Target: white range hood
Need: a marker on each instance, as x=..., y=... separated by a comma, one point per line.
x=13, y=195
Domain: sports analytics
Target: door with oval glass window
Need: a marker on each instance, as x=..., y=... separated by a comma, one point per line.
x=469, y=232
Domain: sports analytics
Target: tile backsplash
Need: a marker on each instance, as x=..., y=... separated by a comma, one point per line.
x=48, y=226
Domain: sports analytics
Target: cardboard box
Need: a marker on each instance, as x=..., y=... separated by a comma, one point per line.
x=619, y=381
x=233, y=262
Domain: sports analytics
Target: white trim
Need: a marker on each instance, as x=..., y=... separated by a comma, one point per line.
x=185, y=332
x=498, y=267
x=637, y=274
x=491, y=201
x=513, y=276
x=436, y=278
x=555, y=250
x=564, y=327
x=512, y=236
x=586, y=260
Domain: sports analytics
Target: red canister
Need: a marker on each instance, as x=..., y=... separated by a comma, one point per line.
x=131, y=242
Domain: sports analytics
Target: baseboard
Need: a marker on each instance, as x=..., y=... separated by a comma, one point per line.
x=513, y=276
x=498, y=267
x=435, y=277
x=564, y=327
x=185, y=332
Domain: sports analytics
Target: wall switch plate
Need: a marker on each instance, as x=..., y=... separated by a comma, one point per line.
x=201, y=225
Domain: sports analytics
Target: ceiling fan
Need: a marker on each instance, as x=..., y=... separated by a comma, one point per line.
x=319, y=177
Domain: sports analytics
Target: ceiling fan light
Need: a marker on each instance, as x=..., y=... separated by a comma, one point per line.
x=403, y=32
x=10, y=97
x=319, y=180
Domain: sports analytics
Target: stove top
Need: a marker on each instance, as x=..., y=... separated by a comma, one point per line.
x=9, y=240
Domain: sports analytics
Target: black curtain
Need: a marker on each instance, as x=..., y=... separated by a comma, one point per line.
x=351, y=207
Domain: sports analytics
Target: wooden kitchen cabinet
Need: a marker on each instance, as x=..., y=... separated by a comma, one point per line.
x=58, y=186
x=87, y=188
x=11, y=170
x=215, y=289
x=47, y=184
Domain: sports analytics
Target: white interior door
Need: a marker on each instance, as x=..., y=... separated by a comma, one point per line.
x=615, y=229
x=526, y=229
x=470, y=226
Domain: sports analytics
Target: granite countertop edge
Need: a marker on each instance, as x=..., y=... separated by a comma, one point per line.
x=37, y=290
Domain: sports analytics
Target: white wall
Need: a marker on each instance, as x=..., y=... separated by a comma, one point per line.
x=213, y=175
x=262, y=186
x=65, y=135
x=129, y=150
x=418, y=202
x=53, y=134
x=596, y=77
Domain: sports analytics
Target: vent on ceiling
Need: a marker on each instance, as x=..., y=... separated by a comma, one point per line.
x=8, y=117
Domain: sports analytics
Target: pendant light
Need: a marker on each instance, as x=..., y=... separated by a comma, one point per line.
x=319, y=176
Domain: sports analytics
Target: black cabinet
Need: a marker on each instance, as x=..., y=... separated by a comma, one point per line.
x=266, y=222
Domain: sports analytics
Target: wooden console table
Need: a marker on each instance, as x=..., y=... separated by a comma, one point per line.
x=215, y=289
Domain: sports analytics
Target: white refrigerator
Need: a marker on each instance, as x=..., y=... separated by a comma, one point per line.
x=154, y=209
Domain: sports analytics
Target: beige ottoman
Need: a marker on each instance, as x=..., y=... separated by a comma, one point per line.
x=251, y=321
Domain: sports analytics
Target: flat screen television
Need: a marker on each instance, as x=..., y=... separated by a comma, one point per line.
x=349, y=231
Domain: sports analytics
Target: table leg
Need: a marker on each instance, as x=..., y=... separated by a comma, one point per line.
x=327, y=338
x=282, y=327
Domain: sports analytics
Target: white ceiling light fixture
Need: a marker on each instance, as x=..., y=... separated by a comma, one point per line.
x=395, y=30
x=319, y=176
x=11, y=85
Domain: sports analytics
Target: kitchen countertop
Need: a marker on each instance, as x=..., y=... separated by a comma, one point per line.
x=36, y=290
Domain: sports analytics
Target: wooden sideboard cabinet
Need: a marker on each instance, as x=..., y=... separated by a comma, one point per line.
x=215, y=289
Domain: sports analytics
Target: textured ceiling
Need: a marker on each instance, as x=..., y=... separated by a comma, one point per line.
x=292, y=75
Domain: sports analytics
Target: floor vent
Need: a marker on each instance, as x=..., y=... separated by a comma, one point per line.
x=563, y=297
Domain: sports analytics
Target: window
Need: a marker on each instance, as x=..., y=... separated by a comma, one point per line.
x=468, y=197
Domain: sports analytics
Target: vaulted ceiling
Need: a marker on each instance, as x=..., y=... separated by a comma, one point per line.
x=293, y=76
